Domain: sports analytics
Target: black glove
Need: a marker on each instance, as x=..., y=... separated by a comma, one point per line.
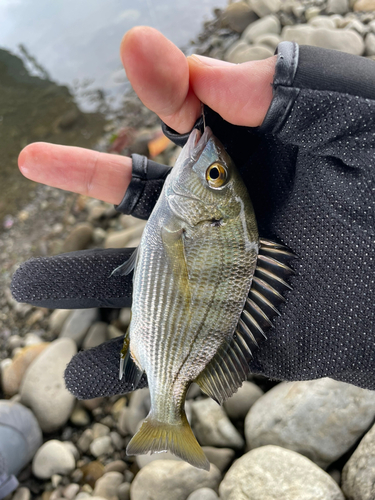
x=309, y=170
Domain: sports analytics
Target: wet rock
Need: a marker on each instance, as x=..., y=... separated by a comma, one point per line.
x=265, y=7
x=212, y=427
x=120, y=239
x=269, y=41
x=370, y=44
x=91, y=472
x=85, y=440
x=240, y=403
x=237, y=16
x=96, y=335
x=101, y=446
x=168, y=479
x=13, y=373
x=22, y=493
x=115, y=466
x=345, y=40
x=78, y=238
x=221, y=457
x=337, y=6
x=57, y=319
x=107, y=485
x=364, y=5
x=78, y=324
x=203, y=494
x=358, y=474
x=320, y=419
x=123, y=491
x=52, y=458
x=271, y=472
x=43, y=387
x=265, y=26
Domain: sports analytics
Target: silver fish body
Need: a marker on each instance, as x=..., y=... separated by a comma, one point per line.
x=193, y=273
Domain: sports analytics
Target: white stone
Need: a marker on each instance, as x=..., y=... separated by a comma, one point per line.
x=78, y=324
x=337, y=6
x=43, y=387
x=58, y=318
x=273, y=473
x=266, y=26
x=107, y=485
x=264, y=7
x=322, y=22
x=370, y=44
x=240, y=403
x=52, y=458
x=101, y=446
x=203, y=494
x=270, y=41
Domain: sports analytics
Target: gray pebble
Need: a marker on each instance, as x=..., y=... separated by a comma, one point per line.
x=117, y=440
x=337, y=6
x=101, y=446
x=72, y=448
x=43, y=387
x=114, y=332
x=322, y=22
x=203, y=494
x=266, y=26
x=121, y=239
x=57, y=319
x=79, y=416
x=212, y=427
x=79, y=237
x=99, y=235
x=240, y=403
x=100, y=430
x=125, y=316
x=107, y=485
x=269, y=41
x=320, y=419
x=221, y=457
x=115, y=466
x=96, y=335
x=172, y=480
x=70, y=491
x=370, y=44
x=251, y=53
x=78, y=324
x=22, y=493
x=358, y=474
x=52, y=458
x=123, y=491
x=237, y=16
x=85, y=440
x=271, y=472
x=264, y=7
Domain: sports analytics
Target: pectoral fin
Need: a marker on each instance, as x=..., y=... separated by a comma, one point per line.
x=128, y=266
x=173, y=241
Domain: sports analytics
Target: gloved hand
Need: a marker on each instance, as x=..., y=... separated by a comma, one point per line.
x=309, y=168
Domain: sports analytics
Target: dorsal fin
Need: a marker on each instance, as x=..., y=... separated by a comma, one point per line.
x=229, y=367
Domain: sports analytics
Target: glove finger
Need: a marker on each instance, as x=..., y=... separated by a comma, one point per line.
x=74, y=280
x=95, y=373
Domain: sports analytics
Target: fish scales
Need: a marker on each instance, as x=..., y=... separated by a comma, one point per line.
x=193, y=272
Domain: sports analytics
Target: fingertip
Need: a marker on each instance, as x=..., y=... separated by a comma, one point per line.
x=27, y=157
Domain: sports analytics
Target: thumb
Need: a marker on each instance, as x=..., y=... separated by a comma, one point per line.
x=240, y=93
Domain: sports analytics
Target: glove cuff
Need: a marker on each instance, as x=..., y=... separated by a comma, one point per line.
x=147, y=176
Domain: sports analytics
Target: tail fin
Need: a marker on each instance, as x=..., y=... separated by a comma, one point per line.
x=179, y=439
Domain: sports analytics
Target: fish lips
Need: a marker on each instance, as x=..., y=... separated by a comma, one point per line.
x=195, y=146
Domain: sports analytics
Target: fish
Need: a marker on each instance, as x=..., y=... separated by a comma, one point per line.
x=205, y=290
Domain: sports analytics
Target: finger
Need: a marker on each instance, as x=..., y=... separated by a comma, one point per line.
x=159, y=74
x=100, y=175
x=240, y=93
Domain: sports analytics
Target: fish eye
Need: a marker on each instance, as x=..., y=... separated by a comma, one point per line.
x=216, y=175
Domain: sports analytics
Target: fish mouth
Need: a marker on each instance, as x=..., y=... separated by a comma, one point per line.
x=196, y=144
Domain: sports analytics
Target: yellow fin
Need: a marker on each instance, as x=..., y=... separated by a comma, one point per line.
x=179, y=439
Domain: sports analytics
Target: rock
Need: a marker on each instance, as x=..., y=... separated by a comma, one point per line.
x=237, y=16
x=143, y=460
x=79, y=416
x=100, y=430
x=266, y=26
x=125, y=316
x=117, y=407
x=113, y=332
x=269, y=41
x=120, y=239
x=92, y=472
x=136, y=411
x=57, y=319
x=364, y=5
x=85, y=440
x=115, y=466
x=13, y=373
x=370, y=44
x=240, y=403
x=78, y=238
x=203, y=494
x=107, y=485
x=264, y=7
x=337, y=6
x=221, y=457
x=70, y=491
x=78, y=324
x=22, y=493
x=43, y=387
x=117, y=440
x=358, y=474
x=271, y=472
x=250, y=53
x=236, y=47
x=123, y=491
x=312, y=12
x=345, y=40
x=356, y=25
x=172, y=480
x=14, y=341
x=322, y=22
x=212, y=427
x=72, y=448
x=96, y=335
x=52, y=458
x=98, y=235
x=101, y=446
x=320, y=419
x=32, y=339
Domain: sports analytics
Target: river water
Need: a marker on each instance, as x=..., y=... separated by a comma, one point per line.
x=60, y=70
